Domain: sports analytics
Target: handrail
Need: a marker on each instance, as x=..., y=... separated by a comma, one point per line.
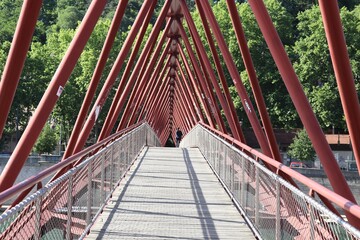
x=340, y=201
x=24, y=185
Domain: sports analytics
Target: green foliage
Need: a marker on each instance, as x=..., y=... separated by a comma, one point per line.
x=68, y=18
x=301, y=148
x=314, y=67
x=9, y=14
x=298, y=23
x=47, y=140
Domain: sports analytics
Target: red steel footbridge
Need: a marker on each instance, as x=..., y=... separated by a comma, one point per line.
x=128, y=185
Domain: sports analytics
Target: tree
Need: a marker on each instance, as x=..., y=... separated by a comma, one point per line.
x=9, y=14
x=47, y=140
x=301, y=148
x=314, y=67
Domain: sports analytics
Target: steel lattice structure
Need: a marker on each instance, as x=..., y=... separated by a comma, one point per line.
x=173, y=83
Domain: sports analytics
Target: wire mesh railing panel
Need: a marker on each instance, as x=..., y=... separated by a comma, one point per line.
x=67, y=207
x=274, y=208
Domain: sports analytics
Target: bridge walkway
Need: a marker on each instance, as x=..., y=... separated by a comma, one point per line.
x=170, y=193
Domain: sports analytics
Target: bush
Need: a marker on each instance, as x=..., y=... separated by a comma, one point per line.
x=301, y=148
x=47, y=140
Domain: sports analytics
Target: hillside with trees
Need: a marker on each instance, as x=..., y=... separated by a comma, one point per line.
x=297, y=21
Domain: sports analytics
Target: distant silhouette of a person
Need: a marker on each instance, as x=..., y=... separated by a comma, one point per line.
x=178, y=136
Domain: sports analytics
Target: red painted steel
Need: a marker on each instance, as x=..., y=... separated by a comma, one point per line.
x=105, y=128
x=209, y=94
x=24, y=185
x=249, y=109
x=95, y=112
x=110, y=38
x=51, y=95
x=302, y=105
x=346, y=204
x=149, y=114
x=187, y=98
x=156, y=87
x=198, y=88
x=185, y=106
x=154, y=33
x=235, y=122
x=259, y=99
x=190, y=93
x=342, y=68
x=17, y=55
x=146, y=81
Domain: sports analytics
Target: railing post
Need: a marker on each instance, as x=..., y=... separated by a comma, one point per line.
x=112, y=167
x=312, y=223
x=89, y=196
x=69, y=208
x=257, y=179
x=38, y=218
x=278, y=216
x=102, y=182
x=243, y=184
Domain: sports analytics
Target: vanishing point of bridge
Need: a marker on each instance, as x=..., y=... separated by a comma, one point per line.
x=214, y=186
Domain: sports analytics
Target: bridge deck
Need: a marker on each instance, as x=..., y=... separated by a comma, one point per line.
x=172, y=194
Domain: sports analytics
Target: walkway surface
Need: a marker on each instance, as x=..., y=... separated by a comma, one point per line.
x=170, y=193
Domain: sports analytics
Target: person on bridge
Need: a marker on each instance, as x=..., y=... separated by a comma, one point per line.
x=178, y=137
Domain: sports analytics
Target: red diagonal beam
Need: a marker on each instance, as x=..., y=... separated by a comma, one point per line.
x=248, y=107
x=17, y=55
x=158, y=80
x=110, y=38
x=51, y=95
x=342, y=68
x=190, y=92
x=209, y=94
x=126, y=74
x=302, y=105
x=150, y=85
x=95, y=112
x=185, y=105
x=180, y=83
x=259, y=99
x=163, y=84
x=205, y=62
x=197, y=87
x=145, y=81
x=234, y=121
x=153, y=35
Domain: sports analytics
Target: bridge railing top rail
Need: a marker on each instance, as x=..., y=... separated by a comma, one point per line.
x=87, y=152
x=333, y=197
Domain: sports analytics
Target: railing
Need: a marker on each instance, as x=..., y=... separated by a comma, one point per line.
x=67, y=207
x=274, y=208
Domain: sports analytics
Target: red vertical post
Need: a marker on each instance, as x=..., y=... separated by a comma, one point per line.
x=17, y=55
x=51, y=95
x=342, y=68
x=110, y=38
x=259, y=99
x=302, y=105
